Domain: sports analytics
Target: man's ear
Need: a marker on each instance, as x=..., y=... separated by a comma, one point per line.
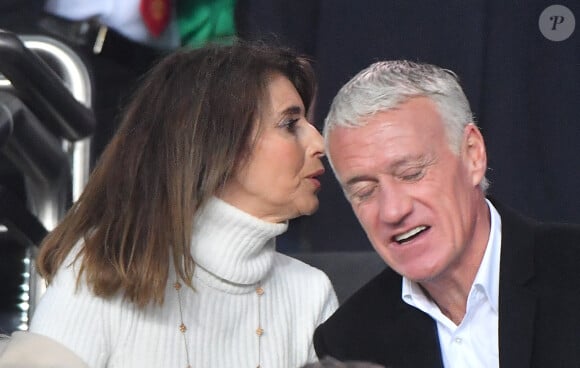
x=473, y=153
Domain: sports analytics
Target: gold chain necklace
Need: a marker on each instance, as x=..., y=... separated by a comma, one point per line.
x=183, y=328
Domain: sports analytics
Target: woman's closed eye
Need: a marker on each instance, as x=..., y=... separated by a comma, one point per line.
x=290, y=124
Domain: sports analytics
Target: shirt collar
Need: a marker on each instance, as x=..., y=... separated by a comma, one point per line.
x=488, y=274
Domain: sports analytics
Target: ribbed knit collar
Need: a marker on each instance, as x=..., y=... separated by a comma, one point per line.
x=233, y=245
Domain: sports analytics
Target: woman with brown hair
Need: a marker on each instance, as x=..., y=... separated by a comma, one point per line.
x=168, y=258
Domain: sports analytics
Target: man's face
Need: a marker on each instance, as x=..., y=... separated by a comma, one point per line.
x=416, y=199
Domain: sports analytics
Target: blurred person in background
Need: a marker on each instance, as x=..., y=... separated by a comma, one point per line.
x=30, y=350
x=121, y=39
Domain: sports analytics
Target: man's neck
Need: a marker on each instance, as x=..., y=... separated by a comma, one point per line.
x=451, y=290
x=451, y=298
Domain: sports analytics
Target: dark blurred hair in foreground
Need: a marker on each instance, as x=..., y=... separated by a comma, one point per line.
x=329, y=362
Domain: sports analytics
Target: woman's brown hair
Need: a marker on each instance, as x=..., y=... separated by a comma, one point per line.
x=183, y=134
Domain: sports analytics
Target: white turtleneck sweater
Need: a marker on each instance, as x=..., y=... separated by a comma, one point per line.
x=234, y=253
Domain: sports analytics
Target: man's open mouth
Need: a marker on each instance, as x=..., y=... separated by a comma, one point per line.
x=410, y=235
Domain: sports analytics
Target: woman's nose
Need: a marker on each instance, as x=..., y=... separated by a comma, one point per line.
x=316, y=142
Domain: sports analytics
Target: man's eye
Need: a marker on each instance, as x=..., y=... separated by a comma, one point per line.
x=362, y=194
x=413, y=175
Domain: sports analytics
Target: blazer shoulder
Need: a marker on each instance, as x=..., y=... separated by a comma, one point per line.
x=548, y=251
x=376, y=325
x=557, y=252
x=379, y=295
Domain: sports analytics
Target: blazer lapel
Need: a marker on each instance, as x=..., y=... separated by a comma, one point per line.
x=396, y=334
x=417, y=342
x=517, y=303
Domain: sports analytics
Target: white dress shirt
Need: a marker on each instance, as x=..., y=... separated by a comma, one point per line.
x=474, y=342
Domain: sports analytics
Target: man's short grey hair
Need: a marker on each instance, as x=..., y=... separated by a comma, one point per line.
x=387, y=84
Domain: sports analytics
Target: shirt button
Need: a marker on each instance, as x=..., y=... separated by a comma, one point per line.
x=458, y=340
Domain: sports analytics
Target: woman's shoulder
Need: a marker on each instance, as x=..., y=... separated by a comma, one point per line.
x=299, y=274
x=314, y=287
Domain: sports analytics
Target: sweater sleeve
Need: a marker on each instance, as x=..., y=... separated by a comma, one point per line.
x=331, y=301
x=306, y=296
x=328, y=307
x=73, y=316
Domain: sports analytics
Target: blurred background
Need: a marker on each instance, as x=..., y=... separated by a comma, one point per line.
x=68, y=65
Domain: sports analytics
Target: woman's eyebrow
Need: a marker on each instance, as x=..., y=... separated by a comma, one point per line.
x=292, y=110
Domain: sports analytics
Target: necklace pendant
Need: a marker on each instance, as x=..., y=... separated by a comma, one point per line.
x=182, y=327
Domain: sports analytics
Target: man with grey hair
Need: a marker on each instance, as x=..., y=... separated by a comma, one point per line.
x=470, y=283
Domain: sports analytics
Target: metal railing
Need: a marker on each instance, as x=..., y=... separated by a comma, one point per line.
x=48, y=200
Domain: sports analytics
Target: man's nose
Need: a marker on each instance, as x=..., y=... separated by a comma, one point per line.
x=395, y=203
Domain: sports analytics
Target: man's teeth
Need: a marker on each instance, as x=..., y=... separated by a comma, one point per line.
x=409, y=234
